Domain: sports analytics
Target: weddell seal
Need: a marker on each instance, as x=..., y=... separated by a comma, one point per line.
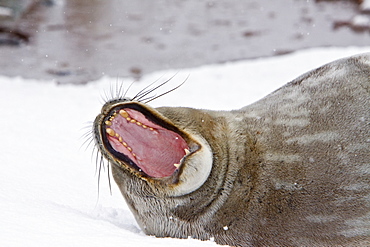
x=292, y=169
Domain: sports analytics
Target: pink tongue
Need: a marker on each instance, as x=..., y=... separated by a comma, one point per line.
x=154, y=151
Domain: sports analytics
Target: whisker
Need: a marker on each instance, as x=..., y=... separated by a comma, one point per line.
x=91, y=140
x=168, y=90
x=87, y=124
x=97, y=161
x=101, y=163
x=102, y=101
x=142, y=91
x=110, y=186
x=94, y=153
x=87, y=133
x=106, y=99
x=150, y=97
x=120, y=91
x=155, y=88
x=87, y=137
x=111, y=90
x=143, y=94
x=128, y=89
x=116, y=87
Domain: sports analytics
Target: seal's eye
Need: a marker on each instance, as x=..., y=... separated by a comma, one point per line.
x=133, y=138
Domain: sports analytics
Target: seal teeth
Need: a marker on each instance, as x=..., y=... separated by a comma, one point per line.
x=123, y=113
x=109, y=123
x=176, y=165
x=186, y=151
x=110, y=132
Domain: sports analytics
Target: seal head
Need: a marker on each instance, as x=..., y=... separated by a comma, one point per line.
x=135, y=137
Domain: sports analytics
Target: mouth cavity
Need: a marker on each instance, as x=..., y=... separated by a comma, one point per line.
x=143, y=143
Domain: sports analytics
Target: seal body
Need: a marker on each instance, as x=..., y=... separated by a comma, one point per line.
x=292, y=169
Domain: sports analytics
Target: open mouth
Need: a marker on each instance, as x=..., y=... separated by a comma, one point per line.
x=145, y=142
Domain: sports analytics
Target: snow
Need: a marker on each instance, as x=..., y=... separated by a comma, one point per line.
x=365, y=5
x=48, y=186
x=4, y=11
x=361, y=21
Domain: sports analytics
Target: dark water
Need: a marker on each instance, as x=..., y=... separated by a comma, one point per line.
x=75, y=41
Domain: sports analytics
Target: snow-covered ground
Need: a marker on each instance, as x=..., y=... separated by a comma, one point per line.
x=48, y=186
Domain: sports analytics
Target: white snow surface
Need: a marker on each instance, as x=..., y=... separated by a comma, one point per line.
x=48, y=186
x=365, y=5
